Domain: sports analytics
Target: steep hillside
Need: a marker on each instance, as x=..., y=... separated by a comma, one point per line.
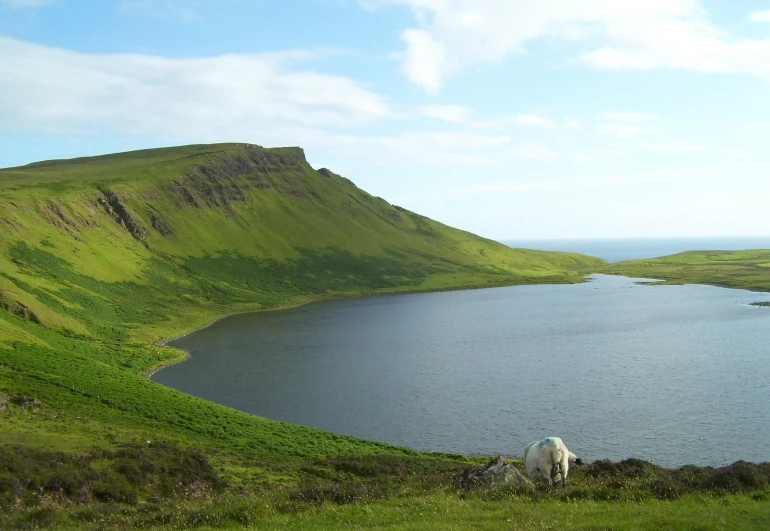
x=149, y=243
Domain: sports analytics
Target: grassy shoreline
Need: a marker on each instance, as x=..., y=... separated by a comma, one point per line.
x=748, y=270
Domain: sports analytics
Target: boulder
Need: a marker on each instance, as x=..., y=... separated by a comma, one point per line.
x=497, y=473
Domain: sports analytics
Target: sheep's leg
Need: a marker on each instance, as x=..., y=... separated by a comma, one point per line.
x=557, y=472
x=546, y=476
x=563, y=471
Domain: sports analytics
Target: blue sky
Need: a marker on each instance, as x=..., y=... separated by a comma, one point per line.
x=509, y=118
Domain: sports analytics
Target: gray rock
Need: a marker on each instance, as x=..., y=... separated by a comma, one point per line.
x=497, y=473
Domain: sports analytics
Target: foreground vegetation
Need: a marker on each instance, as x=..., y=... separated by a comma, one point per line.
x=103, y=258
x=159, y=485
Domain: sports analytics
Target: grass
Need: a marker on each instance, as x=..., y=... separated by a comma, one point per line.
x=102, y=258
x=732, y=269
x=151, y=165
x=370, y=491
x=435, y=511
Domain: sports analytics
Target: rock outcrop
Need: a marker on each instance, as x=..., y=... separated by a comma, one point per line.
x=17, y=308
x=115, y=206
x=497, y=473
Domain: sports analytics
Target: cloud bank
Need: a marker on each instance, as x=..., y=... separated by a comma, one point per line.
x=53, y=90
x=454, y=35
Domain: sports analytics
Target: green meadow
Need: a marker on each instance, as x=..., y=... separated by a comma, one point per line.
x=102, y=259
x=731, y=269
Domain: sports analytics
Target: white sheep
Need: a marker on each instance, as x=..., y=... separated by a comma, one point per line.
x=549, y=459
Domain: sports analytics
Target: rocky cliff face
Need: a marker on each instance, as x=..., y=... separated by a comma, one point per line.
x=226, y=179
x=115, y=207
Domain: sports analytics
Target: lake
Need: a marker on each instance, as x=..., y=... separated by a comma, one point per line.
x=669, y=374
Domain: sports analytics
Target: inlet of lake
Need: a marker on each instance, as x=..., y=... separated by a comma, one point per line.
x=670, y=374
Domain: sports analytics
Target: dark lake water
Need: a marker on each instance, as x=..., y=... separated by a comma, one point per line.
x=670, y=374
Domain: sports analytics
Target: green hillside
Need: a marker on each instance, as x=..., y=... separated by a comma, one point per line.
x=148, y=244
x=732, y=269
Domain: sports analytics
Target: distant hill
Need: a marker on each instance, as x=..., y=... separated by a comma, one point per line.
x=748, y=269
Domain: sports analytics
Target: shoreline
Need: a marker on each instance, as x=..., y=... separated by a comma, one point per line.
x=148, y=374
x=165, y=342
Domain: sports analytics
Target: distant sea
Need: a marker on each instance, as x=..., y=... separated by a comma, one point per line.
x=616, y=250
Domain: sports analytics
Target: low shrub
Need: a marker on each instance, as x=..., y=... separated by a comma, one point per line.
x=738, y=477
x=125, y=475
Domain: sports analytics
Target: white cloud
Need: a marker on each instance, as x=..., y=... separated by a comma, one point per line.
x=261, y=98
x=571, y=123
x=504, y=122
x=622, y=130
x=425, y=62
x=237, y=96
x=678, y=145
x=676, y=34
x=689, y=44
x=562, y=184
x=760, y=16
x=431, y=148
x=448, y=113
x=629, y=116
x=705, y=177
x=23, y=4
x=461, y=114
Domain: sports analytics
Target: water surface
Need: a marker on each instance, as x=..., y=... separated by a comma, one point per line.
x=671, y=374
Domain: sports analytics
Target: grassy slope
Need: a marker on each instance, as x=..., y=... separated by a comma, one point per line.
x=733, y=269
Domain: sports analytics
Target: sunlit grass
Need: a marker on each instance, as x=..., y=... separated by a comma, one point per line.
x=732, y=269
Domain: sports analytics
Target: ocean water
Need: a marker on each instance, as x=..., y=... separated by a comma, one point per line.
x=616, y=250
x=616, y=368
